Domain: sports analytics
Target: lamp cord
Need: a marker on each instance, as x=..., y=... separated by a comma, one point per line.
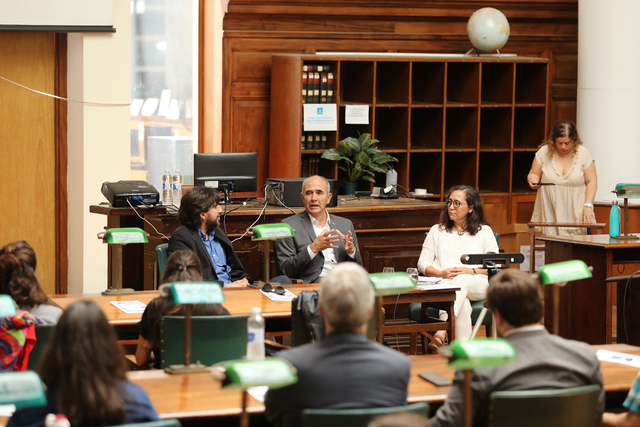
x=145, y=220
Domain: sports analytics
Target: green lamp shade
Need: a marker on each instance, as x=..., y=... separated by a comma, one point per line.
x=272, y=231
x=628, y=191
x=562, y=272
x=122, y=236
x=22, y=389
x=479, y=353
x=7, y=306
x=391, y=283
x=272, y=372
x=195, y=293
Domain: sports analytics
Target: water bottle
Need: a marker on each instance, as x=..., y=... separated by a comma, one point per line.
x=255, y=339
x=614, y=220
x=166, y=188
x=176, y=192
x=53, y=420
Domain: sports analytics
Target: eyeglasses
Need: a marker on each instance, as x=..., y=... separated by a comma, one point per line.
x=279, y=290
x=456, y=203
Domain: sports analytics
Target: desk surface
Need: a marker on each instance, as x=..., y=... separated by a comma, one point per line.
x=200, y=395
x=594, y=240
x=239, y=301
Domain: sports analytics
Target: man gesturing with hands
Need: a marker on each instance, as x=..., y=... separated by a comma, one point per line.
x=321, y=240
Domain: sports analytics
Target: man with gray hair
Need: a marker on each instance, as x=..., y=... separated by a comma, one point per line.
x=321, y=240
x=344, y=370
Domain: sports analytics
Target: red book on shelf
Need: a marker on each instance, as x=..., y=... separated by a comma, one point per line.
x=323, y=88
x=329, y=88
x=305, y=84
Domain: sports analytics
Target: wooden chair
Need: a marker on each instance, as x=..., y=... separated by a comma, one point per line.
x=355, y=417
x=569, y=407
x=43, y=335
x=213, y=339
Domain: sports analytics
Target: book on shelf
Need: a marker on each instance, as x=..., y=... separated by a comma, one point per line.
x=316, y=88
x=317, y=141
x=304, y=168
x=305, y=84
x=329, y=88
x=320, y=68
x=303, y=141
x=323, y=142
x=323, y=88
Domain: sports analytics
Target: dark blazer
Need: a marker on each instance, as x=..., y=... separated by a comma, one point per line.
x=292, y=255
x=544, y=362
x=342, y=371
x=186, y=238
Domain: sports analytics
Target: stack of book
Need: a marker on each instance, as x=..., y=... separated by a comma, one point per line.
x=313, y=141
x=310, y=166
x=317, y=84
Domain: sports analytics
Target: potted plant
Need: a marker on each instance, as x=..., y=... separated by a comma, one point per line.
x=361, y=159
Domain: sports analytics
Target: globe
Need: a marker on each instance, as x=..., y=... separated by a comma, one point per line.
x=488, y=29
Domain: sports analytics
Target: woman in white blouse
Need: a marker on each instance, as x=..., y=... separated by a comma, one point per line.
x=462, y=230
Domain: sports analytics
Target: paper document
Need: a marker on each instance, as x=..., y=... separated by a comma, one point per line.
x=258, y=392
x=436, y=286
x=7, y=410
x=620, y=358
x=288, y=296
x=130, y=307
x=424, y=280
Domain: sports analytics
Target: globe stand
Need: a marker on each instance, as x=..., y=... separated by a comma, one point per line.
x=478, y=52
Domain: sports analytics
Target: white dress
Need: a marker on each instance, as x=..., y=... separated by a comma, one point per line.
x=564, y=201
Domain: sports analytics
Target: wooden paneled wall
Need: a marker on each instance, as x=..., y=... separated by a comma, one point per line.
x=255, y=29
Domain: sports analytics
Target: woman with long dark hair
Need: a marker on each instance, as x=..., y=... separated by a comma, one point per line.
x=182, y=266
x=84, y=369
x=462, y=230
x=19, y=279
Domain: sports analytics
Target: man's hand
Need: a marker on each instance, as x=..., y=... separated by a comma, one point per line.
x=324, y=241
x=238, y=283
x=347, y=241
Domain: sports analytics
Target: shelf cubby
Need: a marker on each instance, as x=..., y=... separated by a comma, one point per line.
x=425, y=171
x=392, y=83
x=463, y=80
x=493, y=172
x=345, y=130
x=497, y=84
x=356, y=82
x=529, y=127
x=391, y=128
x=401, y=167
x=426, y=128
x=459, y=169
x=427, y=83
x=461, y=128
x=521, y=166
x=531, y=84
x=495, y=128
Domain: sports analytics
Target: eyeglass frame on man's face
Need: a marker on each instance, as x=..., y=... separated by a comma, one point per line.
x=456, y=203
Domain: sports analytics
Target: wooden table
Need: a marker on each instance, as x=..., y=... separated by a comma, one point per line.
x=390, y=234
x=200, y=395
x=586, y=305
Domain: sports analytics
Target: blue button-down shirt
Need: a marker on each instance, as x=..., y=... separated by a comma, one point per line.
x=217, y=255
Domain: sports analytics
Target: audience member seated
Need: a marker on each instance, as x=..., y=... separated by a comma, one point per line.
x=462, y=230
x=182, y=266
x=544, y=362
x=84, y=370
x=344, y=370
x=630, y=418
x=19, y=279
x=315, y=249
x=200, y=232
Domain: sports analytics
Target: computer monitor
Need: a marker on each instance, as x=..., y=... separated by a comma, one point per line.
x=228, y=172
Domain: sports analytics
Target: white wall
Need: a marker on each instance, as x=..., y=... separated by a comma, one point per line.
x=609, y=89
x=98, y=141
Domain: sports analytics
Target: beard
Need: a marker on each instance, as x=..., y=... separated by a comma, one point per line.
x=211, y=224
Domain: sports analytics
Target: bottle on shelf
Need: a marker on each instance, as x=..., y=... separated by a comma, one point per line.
x=166, y=188
x=614, y=220
x=255, y=335
x=176, y=192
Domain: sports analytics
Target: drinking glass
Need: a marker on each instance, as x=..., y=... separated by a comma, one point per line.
x=387, y=270
x=413, y=272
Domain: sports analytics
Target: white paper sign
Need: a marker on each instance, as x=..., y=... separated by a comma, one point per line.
x=524, y=250
x=620, y=358
x=320, y=117
x=356, y=114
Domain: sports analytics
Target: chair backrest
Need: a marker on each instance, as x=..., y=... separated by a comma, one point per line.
x=355, y=417
x=213, y=339
x=161, y=423
x=569, y=407
x=43, y=335
x=161, y=251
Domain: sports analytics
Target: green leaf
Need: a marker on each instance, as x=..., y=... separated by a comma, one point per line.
x=332, y=154
x=368, y=178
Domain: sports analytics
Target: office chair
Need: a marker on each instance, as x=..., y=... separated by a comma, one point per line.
x=355, y=417
x=213, y=339
x=161, y=251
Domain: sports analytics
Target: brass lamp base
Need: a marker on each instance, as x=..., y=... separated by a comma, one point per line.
x=182, y=369
x=626, y=237
x=123, y=291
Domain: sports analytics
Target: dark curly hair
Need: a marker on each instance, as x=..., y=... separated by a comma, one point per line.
x=194, y=202
x=18, y=277
x=475, y=219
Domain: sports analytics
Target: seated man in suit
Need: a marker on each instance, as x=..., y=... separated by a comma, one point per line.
x=200, y=232
x=321, y=241
x=344, y=370
x=544, y=362
x=630, y=418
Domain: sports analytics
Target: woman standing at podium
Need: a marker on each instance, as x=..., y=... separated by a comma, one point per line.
x=462, y=230
x=566, y=164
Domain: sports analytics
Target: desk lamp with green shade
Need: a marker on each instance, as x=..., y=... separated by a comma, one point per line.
x=558, y=275
x=268, y=232
x=627, y=191
x=120, y=237
x=468, y=355
x=388, y=284
x=189, y=293
x=243, y=374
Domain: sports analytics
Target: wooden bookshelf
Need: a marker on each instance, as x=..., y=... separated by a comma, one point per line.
x=448, y=119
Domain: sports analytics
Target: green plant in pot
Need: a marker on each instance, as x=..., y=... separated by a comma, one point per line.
x=360, y=158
